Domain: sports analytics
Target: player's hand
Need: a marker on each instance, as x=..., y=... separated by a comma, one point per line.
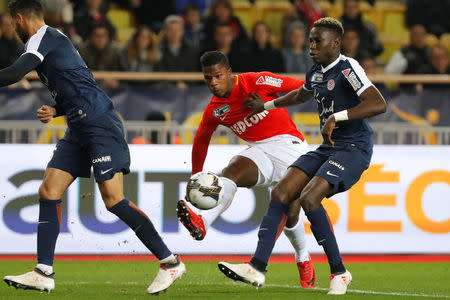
x=327, y=130
x=255, y=103
x=45, y=113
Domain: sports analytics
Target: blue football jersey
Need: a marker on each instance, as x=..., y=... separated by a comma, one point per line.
x=66, y=75
x=338, y=87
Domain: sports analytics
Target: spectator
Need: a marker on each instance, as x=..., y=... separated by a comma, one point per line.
x=201, y=4
x=152, y=13
x=296, y=55
x=439, y=61
x=350, y=43
x=193, y=26
x=369, y=64
x=368, y=35
x=305, y=11
x=433, y=16
x=224, y=42
x=11, y=47
x=142, y=52
x=413, y=58
x=177, y=54
x=262, y=56
x=90, y=15
x=101, y=55
x=222, y=12
x=57, y=11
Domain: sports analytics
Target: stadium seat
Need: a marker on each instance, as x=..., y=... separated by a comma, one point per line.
x=123, y=21
x=445, y=40
x=308, y=119
x=194, y=120
x=432, y=40
x=46, y=136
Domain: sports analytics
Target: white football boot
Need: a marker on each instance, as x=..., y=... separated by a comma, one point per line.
x=339, y=283
x=243, y=272
x=33, y=280
x=166, y=276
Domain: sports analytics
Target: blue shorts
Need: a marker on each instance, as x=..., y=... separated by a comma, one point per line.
x=100, y=145
x=341, y=166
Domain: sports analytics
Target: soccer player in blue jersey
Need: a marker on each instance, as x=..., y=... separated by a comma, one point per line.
x=95, y=137
x=345, y=98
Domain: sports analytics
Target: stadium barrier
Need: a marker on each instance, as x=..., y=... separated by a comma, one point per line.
x=398, y=206
x=34, y=132
x=196, y=76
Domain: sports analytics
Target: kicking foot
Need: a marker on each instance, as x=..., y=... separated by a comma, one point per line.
x=193, y=222
x=242, y=272
x=339, y=283
x=167, y=275
x=33, y=280
x=307, y=274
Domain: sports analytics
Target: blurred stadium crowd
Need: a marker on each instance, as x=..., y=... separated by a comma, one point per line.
x=385, y=36
x=396, y=37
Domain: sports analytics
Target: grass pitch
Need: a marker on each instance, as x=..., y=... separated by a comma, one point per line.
x=203, y=280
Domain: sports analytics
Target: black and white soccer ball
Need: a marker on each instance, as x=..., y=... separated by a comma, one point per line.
x=204, y=190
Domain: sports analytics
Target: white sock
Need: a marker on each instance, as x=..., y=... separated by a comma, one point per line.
x=169, y=259
x=210, y=215
x=45, y=268
x=296, y=236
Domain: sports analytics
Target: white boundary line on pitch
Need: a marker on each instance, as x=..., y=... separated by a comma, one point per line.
x=366, y=292
x=268, y=285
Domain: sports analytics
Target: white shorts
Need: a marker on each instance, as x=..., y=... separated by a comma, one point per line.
x=273, y=156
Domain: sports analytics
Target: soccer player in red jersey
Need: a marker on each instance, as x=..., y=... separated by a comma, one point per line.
x=274, y=144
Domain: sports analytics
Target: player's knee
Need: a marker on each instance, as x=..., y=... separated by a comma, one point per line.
x=49, y=193
x=279, y=194
x=309, y=201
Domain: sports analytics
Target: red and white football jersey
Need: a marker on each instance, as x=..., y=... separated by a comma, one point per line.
x=228, y=112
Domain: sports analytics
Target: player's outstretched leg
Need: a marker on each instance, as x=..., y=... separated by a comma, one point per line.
x=243, y=272
x=197, y=224
x=168, y=273
x=171, y=268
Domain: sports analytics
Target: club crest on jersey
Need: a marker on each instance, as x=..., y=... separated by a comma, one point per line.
x=267, y=80
x=352, y=79
x=317, y=77
x=330, y=84
x=221, y=111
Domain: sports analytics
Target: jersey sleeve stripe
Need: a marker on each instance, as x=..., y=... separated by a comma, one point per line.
x=304, y=87
x=35, y=53
x=359, y=71
x=35, y=41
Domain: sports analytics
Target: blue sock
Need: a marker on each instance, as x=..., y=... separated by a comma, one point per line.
x=323, y=232
x=267, y=234
x=48, y=229
x=137, y=220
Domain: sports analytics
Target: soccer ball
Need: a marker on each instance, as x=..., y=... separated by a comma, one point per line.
x=204, y=190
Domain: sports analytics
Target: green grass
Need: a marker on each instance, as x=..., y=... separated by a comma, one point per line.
x=129, y=280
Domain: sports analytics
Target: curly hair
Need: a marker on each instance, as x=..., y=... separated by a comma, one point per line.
x=331, y=23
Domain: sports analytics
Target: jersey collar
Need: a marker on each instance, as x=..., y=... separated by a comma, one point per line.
x=332, y=64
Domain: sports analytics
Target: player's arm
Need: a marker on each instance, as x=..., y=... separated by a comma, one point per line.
x=22, y=66
x=201, y=142
x=257, y=104
x=373, y=104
